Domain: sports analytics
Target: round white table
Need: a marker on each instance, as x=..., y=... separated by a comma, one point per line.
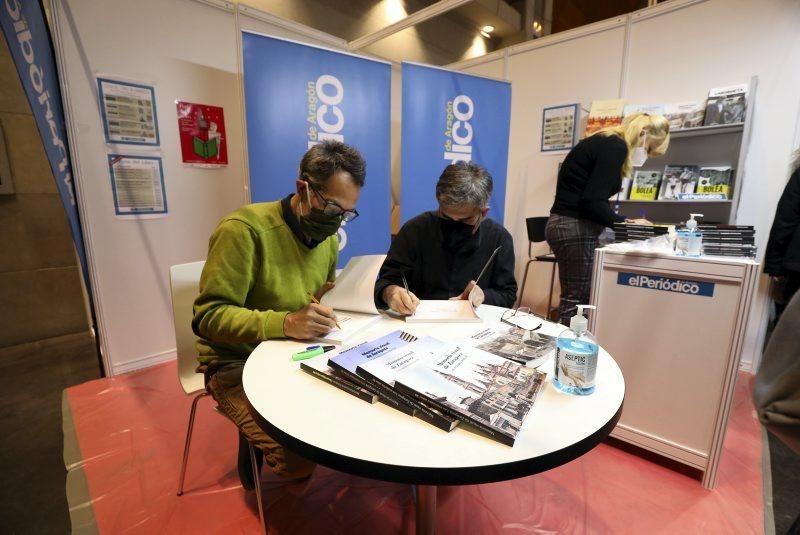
x=335, y=429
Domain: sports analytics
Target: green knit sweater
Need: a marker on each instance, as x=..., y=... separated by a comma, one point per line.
x=257, y=272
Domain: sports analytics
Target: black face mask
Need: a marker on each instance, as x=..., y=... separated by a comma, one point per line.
x=456, y=234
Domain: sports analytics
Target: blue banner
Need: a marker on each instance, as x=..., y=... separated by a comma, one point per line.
x=666, y=284
x=297, y=95
x=28, y=39
x=447, y=117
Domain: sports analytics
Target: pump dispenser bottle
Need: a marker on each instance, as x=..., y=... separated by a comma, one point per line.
x=576, y=357
x=690, y=240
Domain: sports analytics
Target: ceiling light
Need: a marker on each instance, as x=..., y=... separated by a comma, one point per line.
x=488, y=28
x=485, y=34
x=537, y=26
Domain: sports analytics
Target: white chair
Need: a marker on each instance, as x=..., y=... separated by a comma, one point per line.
x=184, y=285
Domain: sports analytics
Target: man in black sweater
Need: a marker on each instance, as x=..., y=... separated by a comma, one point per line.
x=442, y=252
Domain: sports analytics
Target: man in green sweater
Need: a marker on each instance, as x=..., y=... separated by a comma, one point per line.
x=263, y=260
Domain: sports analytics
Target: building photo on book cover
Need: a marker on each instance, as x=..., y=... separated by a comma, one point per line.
x=520, y=345
x=488, y=391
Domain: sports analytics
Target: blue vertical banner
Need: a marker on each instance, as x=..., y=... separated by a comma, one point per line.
x=28, y=40
x=297, y=95
x=451, y=116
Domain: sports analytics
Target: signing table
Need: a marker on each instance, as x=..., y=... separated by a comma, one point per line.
x=340, y=431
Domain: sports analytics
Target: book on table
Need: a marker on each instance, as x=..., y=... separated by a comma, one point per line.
x=346, y=361
x=318, y=367
x=521, y=345
x=444, y=311
x=486, y=391
x=352, y=298
x=381, y=372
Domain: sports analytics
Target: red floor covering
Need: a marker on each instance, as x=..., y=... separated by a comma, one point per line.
x=131, y=431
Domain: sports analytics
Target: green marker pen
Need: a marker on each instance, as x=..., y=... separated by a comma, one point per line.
x=310, y=353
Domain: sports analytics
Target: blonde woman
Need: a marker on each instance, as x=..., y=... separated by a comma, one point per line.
x=591, y=173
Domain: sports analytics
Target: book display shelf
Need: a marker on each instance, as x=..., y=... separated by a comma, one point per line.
x=704, y=146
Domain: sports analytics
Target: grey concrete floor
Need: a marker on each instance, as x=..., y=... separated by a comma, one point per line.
x=32, y=378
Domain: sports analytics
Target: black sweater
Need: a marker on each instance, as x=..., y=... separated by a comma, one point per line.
x=783, y=248
x=436, y=273
x=590, y=174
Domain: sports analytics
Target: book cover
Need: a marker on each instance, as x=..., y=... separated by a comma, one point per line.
x=604, y=113
x=205, y=149
x=678, y=179
x=645, y=185
x=652, y=109
x=318, y=367
x=685, y=115
x=520, y=345
x=484, y=390
x=715, y=180
x=381, y=372
x=346, y=362
x=726, y=105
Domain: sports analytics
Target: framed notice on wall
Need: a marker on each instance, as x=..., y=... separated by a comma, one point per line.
x=202, y=133
x=129, y=112
x=558, y=127
x=137, y=183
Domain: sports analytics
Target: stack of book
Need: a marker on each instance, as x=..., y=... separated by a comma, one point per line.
x=631, y=232
x=728, y=240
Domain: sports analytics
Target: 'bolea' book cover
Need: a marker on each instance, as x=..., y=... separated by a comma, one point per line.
x=645, y=185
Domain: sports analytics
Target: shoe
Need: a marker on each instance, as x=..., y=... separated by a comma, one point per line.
x=244, y=466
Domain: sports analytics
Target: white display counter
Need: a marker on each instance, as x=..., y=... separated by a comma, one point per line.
x=675, y=325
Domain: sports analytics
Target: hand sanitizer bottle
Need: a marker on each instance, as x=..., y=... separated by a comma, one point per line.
x=690, y=240
x=576, y=357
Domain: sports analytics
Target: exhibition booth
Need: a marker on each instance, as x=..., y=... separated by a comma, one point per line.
x=212, y=108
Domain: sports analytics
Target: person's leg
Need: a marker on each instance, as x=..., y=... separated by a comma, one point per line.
x=573, y=242
x=226, y=387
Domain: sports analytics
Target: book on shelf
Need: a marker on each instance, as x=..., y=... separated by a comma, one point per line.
x=382, y=372
x=715, y=180
x=352, y=298
x=678, y=179
x=645, y=185
x=726, y=105
x=652, y=109
x=684, y=115
x=527, y=347
x=486, y=391
x=346, y=361
x=604, y=113
x=444, y=311
x=624, y=190
x=318, y=367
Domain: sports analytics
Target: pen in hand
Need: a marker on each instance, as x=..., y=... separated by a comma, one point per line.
x=315, y=300
x=405, y=284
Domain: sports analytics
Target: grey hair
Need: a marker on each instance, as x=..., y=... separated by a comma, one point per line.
x=464, y=184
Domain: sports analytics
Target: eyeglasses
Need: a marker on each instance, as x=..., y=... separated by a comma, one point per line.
x=522, y=318
x=331, y=208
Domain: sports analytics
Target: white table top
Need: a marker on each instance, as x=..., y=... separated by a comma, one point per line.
x=340, y=431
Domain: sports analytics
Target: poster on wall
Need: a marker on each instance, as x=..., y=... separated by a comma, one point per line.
x=129, y=112
x=137, y=184
x=559, y=124
x=298, y=95
x=202, y=133
x=450, y=116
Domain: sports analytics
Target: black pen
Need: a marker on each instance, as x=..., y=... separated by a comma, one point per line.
x=486, y=265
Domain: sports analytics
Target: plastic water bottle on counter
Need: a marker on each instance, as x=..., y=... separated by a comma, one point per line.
x=576, y=357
